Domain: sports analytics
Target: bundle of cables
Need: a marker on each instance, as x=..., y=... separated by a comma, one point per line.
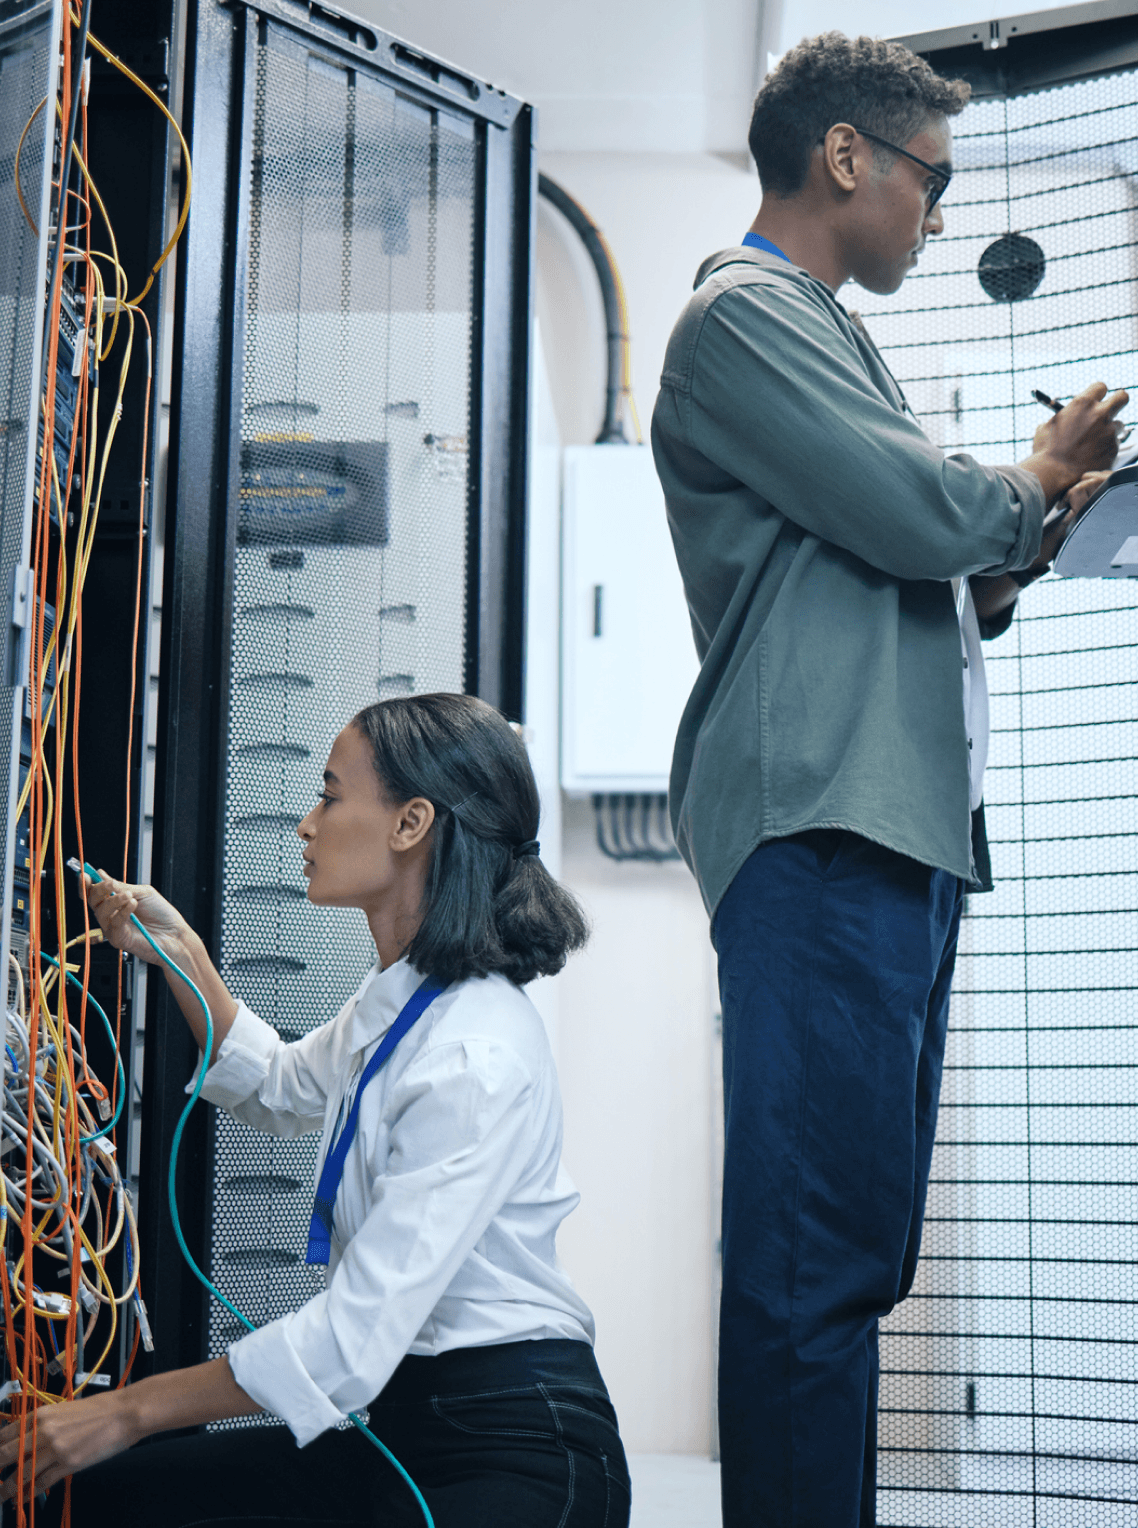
x=64, y=1209
x=69, y=1253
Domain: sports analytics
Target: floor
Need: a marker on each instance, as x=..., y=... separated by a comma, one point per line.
x=674, y=1491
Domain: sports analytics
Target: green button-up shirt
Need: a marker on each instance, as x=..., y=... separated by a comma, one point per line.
x=817, y=529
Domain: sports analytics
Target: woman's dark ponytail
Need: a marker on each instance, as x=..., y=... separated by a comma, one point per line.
x=491, y=905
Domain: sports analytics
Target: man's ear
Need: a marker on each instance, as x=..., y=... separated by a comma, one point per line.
x=842, y=159
x=415, y=820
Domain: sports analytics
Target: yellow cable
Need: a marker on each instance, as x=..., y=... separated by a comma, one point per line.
x=161, y=105
x=57, y=1113
x=85, y=539
x=120, y=297
x=16, y=167
x=53, y=643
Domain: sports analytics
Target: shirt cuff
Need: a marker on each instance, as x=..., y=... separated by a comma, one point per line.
x=267, y=1367
x=243, y=1061
x=1033, y=505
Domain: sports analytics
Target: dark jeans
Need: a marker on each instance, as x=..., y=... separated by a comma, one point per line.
x=835, y=962
x=520, y=1435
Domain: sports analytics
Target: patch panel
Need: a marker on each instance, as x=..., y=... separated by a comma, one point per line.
x=74, y=356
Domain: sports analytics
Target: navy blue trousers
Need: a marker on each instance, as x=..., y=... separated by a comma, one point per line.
x=835, y=963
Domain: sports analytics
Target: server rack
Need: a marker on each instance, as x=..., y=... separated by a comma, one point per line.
x=126, y=150
x=29, y=62
x=345, y=522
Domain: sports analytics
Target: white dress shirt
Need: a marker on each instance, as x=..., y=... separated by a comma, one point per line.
x=453, y=1189
x=976, y=721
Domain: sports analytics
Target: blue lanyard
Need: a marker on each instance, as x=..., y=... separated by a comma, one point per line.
x=756, y=241
x=320, y=1227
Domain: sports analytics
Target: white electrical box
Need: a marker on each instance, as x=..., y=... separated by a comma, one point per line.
x=627, y=655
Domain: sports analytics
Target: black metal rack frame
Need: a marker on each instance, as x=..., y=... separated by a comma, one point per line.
x=202, y=518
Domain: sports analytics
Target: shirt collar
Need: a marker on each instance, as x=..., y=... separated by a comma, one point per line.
x=380, y=1001
x=752, y=240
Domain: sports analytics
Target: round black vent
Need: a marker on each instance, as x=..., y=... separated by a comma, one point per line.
x=1011, y=268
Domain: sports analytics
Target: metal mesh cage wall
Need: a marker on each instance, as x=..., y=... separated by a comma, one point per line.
x=1008, y=1387
x=351, y=573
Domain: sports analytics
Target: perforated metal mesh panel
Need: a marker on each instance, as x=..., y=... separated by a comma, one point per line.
x=1009, y=1393
x=351, y=566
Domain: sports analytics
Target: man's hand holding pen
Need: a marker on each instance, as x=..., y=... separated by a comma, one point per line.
x=1072, y=456
x=1064, y=516
x=1081, y=436
x=1123, y=431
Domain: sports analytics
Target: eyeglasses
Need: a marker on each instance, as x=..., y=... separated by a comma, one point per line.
x=944, y=176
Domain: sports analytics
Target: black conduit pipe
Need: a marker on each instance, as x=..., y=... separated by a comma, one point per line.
x=612, y=431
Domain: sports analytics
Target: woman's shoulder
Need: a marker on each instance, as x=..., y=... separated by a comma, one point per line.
x=493, y=1012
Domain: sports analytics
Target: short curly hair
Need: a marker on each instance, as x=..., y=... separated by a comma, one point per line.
x=868, y=83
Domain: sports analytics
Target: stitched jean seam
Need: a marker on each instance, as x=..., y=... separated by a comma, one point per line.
x=583, y=1411
x=568, y=1456
x=483, y=1432
x=485, y=1395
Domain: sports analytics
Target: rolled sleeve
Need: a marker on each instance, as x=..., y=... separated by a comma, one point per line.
x=281, y=1089
x=461, y=1139
x=268, y=1368
x=243, y=1061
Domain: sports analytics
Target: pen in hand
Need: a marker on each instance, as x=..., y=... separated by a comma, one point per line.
x=1124, y=430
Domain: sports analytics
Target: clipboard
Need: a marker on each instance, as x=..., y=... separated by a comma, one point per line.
x=1104, y=543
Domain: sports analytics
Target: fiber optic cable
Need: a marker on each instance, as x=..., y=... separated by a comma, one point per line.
x=66, y=1194
x=106, y=1130
x=161, y=105
x=207, y=1053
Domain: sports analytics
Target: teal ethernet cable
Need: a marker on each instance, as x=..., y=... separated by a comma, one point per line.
x=207, y=1051
x=114, y=1119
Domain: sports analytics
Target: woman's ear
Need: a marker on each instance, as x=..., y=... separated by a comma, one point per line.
x=416, y=818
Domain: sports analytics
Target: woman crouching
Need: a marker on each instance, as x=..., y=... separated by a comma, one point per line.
x=445, y=1314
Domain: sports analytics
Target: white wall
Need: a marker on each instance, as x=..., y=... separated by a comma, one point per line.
x=635, y=75
x=640, y=105
x=644, y=106
x=661, y=214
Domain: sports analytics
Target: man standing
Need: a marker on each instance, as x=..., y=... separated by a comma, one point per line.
x=826, y=782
